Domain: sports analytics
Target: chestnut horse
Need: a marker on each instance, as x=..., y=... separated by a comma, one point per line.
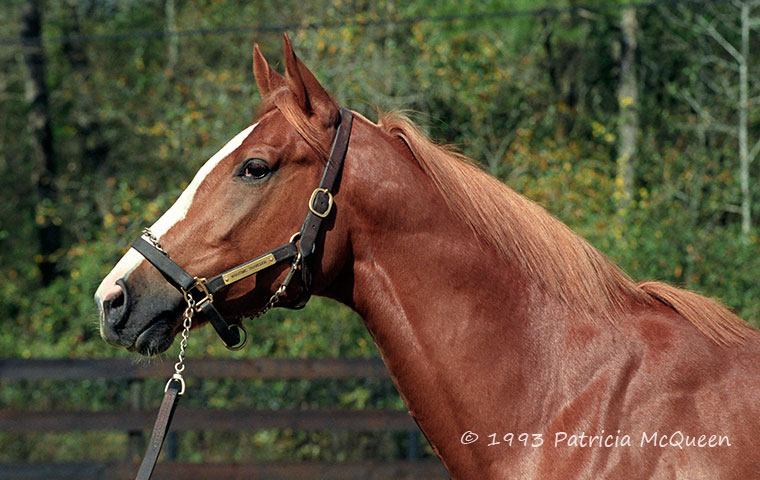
x=519, y=349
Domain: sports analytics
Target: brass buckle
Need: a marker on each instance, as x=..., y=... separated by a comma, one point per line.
x=314, y=197
x=200, y=284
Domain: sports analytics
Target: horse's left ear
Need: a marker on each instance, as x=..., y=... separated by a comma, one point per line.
x=310, y=95
x=266, y=78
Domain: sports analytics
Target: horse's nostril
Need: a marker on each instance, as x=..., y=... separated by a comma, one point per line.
x=116, y=300
x=115, y=305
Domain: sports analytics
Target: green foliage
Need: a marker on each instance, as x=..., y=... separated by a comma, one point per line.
x=531, y=97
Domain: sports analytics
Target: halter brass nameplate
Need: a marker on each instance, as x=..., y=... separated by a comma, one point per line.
x=248, y=269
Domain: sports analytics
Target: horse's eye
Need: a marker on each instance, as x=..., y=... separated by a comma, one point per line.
x=255, y=169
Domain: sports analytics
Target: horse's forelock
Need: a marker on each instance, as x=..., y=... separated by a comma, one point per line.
x=311, y=131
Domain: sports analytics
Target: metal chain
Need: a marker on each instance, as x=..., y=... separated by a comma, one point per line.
x=280, y=291
x=187, y=316
x=153, y=240
x=187, y=323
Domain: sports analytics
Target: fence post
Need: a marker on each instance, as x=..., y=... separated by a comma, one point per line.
x=413, y=447
x=136, y=441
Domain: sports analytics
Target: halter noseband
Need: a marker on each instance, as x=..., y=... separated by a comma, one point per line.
x=200, y=291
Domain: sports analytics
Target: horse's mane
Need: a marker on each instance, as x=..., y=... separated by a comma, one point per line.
x=564, y=264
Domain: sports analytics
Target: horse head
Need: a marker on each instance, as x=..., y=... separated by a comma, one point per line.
x=248, y=198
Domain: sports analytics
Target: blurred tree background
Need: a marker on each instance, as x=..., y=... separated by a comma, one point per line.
x=637, y=125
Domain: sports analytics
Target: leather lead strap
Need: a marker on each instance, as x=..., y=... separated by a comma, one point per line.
x=161, y=427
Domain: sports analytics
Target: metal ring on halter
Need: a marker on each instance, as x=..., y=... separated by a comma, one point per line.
x=242, y=333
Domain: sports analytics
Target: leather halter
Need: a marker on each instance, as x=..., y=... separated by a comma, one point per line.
x=202, y=290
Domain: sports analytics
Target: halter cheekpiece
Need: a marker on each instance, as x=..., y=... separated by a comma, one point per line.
x=199, y=292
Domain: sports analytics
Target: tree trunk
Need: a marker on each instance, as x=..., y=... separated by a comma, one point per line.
x=743, y=110
x=41, y=134
x=172, y=36
x=628, y=104
x=93, y=145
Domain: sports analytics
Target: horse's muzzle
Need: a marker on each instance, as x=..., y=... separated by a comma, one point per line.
x=113, y=308
x=130, y=319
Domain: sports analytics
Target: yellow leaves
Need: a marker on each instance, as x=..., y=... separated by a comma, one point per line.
x=151, y=210
x=346, y=35
x=108, y=220
x=418, y=33
x=678, y=271
x=157, y=129
x=600, y=131
x=625, y=101
x=489, y=50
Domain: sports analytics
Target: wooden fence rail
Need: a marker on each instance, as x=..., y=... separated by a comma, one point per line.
x=135, y=420
x=258, y=368
x=20, y=421
x=397, y=469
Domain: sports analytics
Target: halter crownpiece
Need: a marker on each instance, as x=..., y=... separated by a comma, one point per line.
x=200, y=291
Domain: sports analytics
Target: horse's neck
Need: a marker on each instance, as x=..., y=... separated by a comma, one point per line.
x=460, y=331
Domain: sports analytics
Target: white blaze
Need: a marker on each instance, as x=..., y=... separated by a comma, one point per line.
x=132, y=259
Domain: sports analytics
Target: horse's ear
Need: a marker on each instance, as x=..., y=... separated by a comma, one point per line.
x=310, y=95
x=266, y=78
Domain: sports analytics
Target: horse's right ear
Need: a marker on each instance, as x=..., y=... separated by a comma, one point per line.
x=266, y=78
